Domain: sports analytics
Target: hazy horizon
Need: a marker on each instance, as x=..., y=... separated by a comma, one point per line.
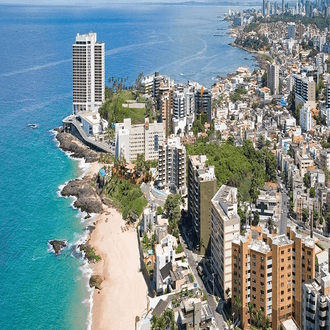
x=105, y=2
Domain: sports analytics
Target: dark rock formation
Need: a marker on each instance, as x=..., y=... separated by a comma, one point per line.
x=68, y=142
x=87, y=198
x=95, y=281
x=58, y=245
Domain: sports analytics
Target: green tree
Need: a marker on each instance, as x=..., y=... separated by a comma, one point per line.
x=306, y=181
x=256, y=218
x=305, y=215
x=312, y=192
x=159, y=210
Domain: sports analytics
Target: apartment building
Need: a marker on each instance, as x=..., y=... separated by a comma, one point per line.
x=203, y=102
x=273, y=78
x=325, y=159
x=291, y=28
x=88, y=73
x=164, y=258
x=305, y=119
x=316, y=302
x=172, y=165
x=268, y=272
x=305, y=90
x=201, y=188
x=138, y=139
x=225, y=225
x=166, y=106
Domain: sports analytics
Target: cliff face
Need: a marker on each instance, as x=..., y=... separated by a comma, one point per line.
x=87, y=198
x=68, y=142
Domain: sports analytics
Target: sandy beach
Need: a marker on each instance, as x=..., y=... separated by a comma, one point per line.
x=123, y=294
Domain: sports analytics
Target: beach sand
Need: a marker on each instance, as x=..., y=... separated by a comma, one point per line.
x=123, y=294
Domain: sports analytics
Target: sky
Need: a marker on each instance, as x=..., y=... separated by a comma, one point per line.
x=96, y=2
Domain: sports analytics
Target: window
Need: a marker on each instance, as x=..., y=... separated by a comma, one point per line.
x=282, y=292
x=282, y=260
x=282, y=252
x=282, y=268
x=282, y=285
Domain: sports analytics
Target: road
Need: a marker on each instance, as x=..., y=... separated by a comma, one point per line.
x=192, y=260
x=283, y=207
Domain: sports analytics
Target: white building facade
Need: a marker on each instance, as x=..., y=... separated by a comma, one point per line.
x=132, y=140
x=88, y=73
x=306, y=119
x=172, y=165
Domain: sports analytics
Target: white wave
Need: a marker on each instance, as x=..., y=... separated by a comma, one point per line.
x=34, y=68
x=81, y=238
x=131, y=47
x=186, y=59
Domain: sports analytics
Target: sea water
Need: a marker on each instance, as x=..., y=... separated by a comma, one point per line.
x=38, y=289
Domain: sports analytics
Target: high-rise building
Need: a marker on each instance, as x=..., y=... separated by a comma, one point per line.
x=88, y=73
x=225, y=225
x=316, y=302
x=273, y=78
x=305, y=92
x=264, y=7
x=268, y=272
x=172, y=165
x=201, y=188
x=283, y=6
x=166, y=102
x=132, y=140
x=203, y=102
x=291, y=28
x=305, y=119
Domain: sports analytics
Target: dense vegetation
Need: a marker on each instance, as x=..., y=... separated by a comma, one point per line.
x=320, y=21
x=243, y=167
x=113, y=110
x=258, y=42
x=165, y=321
x=126, y=197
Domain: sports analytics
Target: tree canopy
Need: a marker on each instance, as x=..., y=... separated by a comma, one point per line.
x=243, y=167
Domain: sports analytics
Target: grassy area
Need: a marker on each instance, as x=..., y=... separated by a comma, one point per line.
x=113, y=110
x=320, y=246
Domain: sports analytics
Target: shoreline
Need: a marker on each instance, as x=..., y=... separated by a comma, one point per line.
x=121, y=279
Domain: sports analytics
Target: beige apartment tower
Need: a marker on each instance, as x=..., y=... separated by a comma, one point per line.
x=88, y=73
x=225, y=225
x=268, y=272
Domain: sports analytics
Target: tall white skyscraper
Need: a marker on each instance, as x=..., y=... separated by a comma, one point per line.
x=273, y=78
x=88, y=73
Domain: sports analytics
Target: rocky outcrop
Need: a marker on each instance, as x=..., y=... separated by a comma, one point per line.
x=58, y=245
x=68, y=142
x=87, y=198
x=95, y=281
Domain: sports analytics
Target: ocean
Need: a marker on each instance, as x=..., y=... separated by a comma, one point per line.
x=38, y=289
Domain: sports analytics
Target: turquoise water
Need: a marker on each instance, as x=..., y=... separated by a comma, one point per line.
x=38, y=289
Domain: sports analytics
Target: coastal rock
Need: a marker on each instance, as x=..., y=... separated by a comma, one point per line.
x=58, y=245
x=95, y=281
x=68, y=142
x=87, y=198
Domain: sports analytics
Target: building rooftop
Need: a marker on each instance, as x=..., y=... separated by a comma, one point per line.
x=281, y=240
x=259, y=246
x=205, y=172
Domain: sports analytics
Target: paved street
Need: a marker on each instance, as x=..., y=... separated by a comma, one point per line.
x=192, y=260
